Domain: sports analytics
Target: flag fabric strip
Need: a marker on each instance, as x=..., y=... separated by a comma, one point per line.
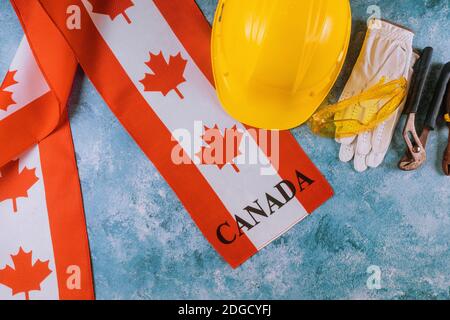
x=159, y=81
x=52, y=69
x=25, y=233
x=66, y=215
x=186, y=20
x=150, y=61
x=150, y=133
x=44, y=251
x=42, y=217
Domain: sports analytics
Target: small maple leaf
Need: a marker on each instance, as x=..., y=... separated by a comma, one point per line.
x=112, y=8
x=15, y=185
x=221, y=149
x=6, y=99
x=166, y=76
x=25, y=276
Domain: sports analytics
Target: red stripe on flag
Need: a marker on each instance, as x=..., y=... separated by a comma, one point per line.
x=37, y=121
x=292, y=160
x=56, y=61
x=192, y=30
x=186, y=20
x=27, y=126
x=122, y=96
x=52, y=53
x=66, y=216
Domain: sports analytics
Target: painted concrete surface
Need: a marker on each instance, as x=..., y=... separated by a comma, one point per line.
x=145, y=246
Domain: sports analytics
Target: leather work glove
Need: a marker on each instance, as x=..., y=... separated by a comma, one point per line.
x=387, y=52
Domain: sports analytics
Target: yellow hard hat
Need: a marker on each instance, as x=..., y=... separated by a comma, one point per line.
x=275, y=61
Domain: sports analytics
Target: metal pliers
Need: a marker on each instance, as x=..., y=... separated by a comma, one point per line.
x=416, y=154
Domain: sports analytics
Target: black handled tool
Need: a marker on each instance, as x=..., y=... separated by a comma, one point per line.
x=416, y=154
x=442, y=97
x=438, y=99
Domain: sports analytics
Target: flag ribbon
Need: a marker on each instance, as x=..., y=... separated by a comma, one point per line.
x=150, y=61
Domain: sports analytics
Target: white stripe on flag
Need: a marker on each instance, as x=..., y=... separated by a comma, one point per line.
x=29, y=229
x=31, y=83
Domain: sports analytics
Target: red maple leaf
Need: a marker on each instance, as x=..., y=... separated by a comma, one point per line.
x=166, y=76
x=25, y=276
x=6, y=99
x=222, y=149
x=15, y=184
x=112, y=8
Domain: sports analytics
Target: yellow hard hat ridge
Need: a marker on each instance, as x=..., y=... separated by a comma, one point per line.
x=275, y=61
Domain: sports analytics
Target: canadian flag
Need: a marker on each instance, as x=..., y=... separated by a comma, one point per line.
x=150, y=61
x=44, y=251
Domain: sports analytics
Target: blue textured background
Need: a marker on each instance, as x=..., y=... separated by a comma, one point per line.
x=145, y=246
